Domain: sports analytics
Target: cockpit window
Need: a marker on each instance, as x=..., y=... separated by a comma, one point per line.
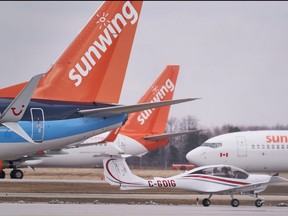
x=223, y=171
x=212, y=145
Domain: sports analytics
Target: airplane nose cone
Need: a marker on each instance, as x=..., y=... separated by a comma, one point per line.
x=196, y=156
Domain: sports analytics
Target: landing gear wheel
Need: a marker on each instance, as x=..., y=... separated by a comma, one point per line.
x=235, y=202
x=206, y=202
x=258, y=202
x=2, y=174
x=16, y=174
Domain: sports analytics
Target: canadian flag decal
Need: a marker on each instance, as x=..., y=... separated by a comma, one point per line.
x=224, y=154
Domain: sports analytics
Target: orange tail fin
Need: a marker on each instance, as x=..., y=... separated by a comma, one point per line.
x=153, y=121
x=93, y=67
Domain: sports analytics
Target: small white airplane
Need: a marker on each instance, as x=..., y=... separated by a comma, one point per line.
x=208, y=179
x=143, y=132
x=253, y=151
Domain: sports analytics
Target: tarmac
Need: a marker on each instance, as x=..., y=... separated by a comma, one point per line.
x=45, y=209
x=45, y=197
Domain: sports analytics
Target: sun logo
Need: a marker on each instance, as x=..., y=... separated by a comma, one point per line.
x=155, y=89
x=103, y=20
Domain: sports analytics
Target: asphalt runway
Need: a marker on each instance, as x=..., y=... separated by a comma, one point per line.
x=45, y=197
x=91, y=191
x=136, y=197
x=43, y=209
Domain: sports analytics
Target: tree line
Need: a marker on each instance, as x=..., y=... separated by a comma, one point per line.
x=177, y=148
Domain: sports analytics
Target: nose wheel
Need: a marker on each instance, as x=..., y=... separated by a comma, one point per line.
x=206, y=202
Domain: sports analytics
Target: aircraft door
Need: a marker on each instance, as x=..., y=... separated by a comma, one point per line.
x=38, y=121
x=241, y=146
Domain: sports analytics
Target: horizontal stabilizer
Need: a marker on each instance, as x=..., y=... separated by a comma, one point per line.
x=168, y=135
x=16, y=109
x=122, y=109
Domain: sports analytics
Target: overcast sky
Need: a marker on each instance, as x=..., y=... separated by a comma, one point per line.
x=234, y=55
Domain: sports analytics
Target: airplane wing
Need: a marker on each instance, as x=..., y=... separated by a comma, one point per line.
x=168, y=135
x=16, y=109
x=122, y=109
x=258, y=186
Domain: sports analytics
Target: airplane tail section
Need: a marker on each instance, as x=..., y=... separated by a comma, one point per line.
x=153, y=121
x=117, y=172
x=94, y=65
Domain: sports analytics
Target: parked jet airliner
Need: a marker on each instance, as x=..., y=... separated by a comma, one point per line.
x=72, y=101
x=254, y=151
x=143, y=132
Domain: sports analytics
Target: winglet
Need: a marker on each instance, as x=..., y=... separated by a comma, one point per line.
x=16, y=109
x=112, y=136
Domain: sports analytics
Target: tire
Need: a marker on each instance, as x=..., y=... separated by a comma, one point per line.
x=16, y=174
x=235, y=202
x=2, y=174
x=206, y=202
x=258, y=203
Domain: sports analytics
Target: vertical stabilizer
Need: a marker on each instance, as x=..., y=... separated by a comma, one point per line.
x=93, y=66
x=117, y=172
x=153, y=121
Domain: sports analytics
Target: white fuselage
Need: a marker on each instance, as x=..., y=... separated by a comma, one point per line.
x=92, y=156
x=208, y=179
x=253, y=151
x=205, y=183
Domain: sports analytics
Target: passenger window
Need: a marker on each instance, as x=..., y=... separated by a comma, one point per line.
x=258, y=146
x=283, y=146
x=278, y=147
x=253, y=146
x=273, y=147
x=263, y=146
x=268, y=147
